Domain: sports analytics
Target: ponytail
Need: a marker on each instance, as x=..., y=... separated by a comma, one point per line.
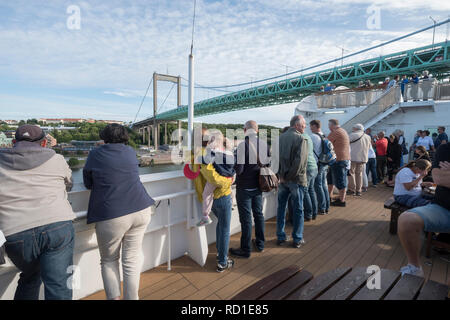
x=421, y=164
x=410, y=164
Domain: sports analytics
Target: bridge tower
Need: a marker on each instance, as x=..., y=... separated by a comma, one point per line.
x=162, y=77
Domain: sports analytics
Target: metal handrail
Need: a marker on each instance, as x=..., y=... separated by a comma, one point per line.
x=83, y=214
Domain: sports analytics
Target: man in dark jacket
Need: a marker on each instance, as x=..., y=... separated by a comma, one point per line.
x=293, y=182
x=248, y=194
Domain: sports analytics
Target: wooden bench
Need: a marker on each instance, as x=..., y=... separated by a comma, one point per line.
x=433, y=242
x=396, y=211
x=293, y=283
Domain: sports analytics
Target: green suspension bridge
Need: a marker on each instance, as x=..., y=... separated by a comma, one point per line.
x=434, y=58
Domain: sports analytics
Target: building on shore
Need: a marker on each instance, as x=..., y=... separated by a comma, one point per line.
x=73, y=120
x=10, y=122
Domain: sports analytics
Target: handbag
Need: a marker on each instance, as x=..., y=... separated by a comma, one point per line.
x=267, y=179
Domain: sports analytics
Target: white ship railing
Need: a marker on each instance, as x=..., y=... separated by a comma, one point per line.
x=170, y=234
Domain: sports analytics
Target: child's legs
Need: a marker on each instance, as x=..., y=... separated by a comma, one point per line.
x=208, y=198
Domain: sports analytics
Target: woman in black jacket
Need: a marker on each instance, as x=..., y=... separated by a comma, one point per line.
x=394, y=154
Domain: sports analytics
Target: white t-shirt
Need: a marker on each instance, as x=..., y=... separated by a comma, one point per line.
x=427, y=142
x=317, y=143
x=404, y=176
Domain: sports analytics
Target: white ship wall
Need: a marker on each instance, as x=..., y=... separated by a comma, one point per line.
x=184, y=240
x=416, y=117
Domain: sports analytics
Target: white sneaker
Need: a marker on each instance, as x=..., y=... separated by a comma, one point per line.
x=204, y=221
x=412, y=270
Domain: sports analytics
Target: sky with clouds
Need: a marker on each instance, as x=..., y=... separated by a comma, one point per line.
x=103, y=69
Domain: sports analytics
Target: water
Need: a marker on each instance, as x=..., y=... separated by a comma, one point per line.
x=77, y=174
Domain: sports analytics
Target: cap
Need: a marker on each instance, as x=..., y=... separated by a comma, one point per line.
x=359, y=126
x=29, y=133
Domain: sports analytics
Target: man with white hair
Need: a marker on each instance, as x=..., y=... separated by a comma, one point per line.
x=293, y=154
x=359, y=152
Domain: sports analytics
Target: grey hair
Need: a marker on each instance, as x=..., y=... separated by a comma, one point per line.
x=296, y=119
x=251, y=124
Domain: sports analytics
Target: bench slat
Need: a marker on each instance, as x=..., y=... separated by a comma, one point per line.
x=389, y=202
x=318, y=285
x=287, y=287
x=433, y=291
x=406, y=288
x=388, y=279
x=266, y=284
x=346, y=287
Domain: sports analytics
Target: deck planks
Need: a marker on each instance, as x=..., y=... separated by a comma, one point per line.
x=354, y=236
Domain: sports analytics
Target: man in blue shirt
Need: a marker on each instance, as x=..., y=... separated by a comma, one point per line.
x=403, y=86
x=393, y=82
x=414, y=88
x=442, y=137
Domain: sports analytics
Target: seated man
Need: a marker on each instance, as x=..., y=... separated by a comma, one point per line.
x=434, y=217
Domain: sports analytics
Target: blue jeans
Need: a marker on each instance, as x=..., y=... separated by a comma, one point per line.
x=222, y=210
x=43, y=254
x=339, y=174
x=310, y=199
x=248, y=202
x=296, y=194
x=413, y=201
x=321, y=187
x=371, y=166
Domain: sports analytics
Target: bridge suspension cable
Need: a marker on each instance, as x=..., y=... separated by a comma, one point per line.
x=143, y=99
x=160, y=107
x=331, y=61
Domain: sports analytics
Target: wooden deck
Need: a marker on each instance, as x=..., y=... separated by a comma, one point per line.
x=356, y=235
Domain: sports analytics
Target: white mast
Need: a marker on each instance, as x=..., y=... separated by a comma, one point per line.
x=191, y=102
x=191, y=89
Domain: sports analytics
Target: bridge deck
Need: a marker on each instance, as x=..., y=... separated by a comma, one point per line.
x=353, y=236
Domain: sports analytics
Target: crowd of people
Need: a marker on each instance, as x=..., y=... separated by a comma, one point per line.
x=402, y=81
x=36, y=216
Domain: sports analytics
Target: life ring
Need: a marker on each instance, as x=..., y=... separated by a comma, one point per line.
x=188, y=173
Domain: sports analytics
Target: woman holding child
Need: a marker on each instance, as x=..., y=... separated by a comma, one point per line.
x=220, y=189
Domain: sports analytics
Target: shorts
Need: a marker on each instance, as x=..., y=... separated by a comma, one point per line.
x=435, y=217
x=329, y=178
x=339, y=174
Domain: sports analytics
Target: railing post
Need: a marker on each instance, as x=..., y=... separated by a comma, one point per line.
x=169, y=243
